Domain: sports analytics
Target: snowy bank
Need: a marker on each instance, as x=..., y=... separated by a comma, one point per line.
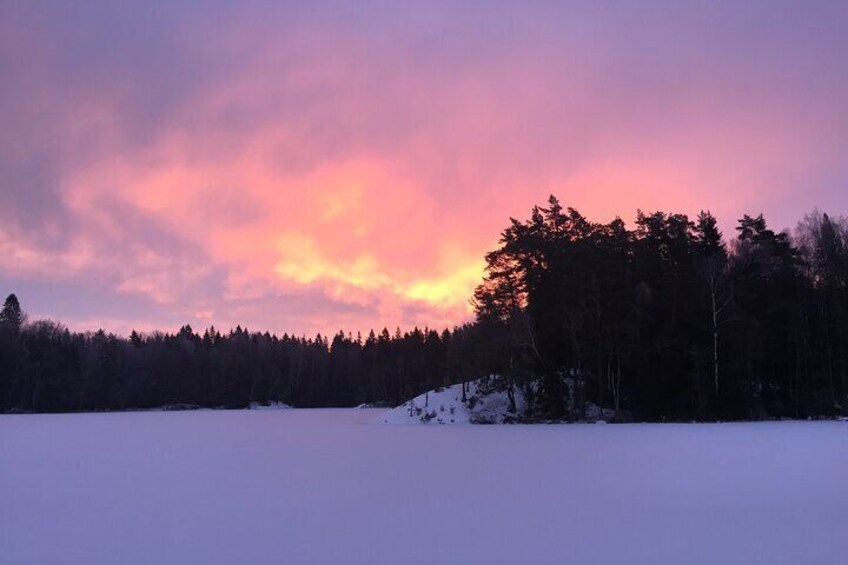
x=483, y=403
x=446, y=406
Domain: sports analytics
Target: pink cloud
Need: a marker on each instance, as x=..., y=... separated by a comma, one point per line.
x=353, y=173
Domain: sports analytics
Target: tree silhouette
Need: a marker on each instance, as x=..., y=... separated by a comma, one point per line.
x=11, y=315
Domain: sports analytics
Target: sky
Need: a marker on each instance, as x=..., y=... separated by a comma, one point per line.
x=308, y=167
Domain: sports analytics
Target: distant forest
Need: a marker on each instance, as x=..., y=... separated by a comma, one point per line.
x=665, y=322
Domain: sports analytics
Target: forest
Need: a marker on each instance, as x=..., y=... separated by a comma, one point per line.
x=667, y=321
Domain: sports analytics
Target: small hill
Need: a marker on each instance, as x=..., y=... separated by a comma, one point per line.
x=484, y=404
x=445, y=406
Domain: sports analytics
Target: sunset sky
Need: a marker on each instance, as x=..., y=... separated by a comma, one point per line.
x=308, y=167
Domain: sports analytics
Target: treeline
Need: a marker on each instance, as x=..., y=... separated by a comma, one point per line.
x=665, y=321
x=46, y=368
x=668, y=320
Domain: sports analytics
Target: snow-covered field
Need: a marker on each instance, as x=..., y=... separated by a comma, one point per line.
x=329, y=486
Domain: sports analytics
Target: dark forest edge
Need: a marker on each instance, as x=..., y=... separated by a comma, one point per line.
x=664, y=322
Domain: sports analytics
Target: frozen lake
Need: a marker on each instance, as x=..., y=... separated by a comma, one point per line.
x=327, y=486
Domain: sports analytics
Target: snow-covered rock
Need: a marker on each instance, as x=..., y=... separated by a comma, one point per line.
x=595, y=413
x=484, y=404
x=445, y=406
x=270, y=406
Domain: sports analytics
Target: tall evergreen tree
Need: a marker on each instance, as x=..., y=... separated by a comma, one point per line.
x=12, y=316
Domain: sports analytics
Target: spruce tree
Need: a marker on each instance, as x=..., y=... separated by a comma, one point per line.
x=11, y=315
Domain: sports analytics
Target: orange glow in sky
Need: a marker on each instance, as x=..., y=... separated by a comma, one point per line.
x=326, y=167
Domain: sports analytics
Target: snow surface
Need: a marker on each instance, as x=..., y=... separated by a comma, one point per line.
x=325, y=486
